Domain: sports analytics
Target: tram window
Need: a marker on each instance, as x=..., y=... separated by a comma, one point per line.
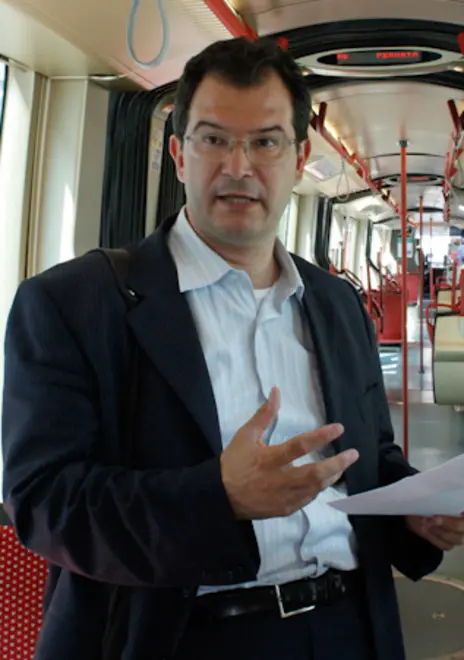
x=438, y=247
x=377, y=250
x=282, y=231
x=3, y=78
x=287, y=229
x=337, y=241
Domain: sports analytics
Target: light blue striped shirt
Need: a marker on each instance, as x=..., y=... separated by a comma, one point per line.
x=252, y=340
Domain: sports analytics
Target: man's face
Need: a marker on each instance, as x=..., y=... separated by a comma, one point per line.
x=234, y=198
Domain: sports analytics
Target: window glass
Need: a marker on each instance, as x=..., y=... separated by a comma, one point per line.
x=282, y=231
x=3, y=77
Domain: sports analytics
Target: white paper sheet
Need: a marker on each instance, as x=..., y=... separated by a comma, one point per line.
x=439, y=491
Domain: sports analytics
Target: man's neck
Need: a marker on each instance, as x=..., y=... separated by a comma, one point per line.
x=258, y=261
x=261, y=266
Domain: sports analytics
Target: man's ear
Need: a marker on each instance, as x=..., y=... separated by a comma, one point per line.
x=177, y=154
x=302, y=158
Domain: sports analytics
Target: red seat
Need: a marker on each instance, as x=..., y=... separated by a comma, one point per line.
x=22, y=584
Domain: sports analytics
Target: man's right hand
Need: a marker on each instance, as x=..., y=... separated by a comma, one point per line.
x=261, y=481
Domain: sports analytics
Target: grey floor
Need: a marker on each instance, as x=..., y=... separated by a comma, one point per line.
x=432, y=610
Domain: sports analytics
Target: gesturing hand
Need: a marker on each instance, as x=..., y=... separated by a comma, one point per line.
x=261, y=481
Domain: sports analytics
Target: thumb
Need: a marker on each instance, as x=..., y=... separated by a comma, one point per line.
x=265, y=415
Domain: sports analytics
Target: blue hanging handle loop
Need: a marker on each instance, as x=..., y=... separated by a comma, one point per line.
x=130, y=35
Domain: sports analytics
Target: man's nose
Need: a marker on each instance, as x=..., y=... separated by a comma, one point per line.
x=236, y=163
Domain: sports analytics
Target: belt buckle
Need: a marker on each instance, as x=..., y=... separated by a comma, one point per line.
x=282, y=612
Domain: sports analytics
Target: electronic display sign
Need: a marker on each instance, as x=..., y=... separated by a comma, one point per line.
x=378, y=57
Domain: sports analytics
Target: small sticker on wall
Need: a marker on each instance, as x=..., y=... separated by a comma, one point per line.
x=156, y=150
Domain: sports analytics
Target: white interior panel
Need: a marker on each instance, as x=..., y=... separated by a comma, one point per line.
x=31, y=43
x=99, y=29
x=277, y=15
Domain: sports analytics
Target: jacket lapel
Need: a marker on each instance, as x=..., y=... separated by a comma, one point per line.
x=164, y=327
x=327, y=337
x=323, y=326
x=321, y=323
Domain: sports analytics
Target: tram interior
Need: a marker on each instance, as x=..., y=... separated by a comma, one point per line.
x=84, y=162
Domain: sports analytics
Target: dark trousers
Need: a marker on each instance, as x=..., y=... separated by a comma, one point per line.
x=340, y=631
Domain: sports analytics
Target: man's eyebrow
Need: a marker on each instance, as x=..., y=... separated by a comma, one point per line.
x=268, y=129
x=211, y=124
x=208, y=124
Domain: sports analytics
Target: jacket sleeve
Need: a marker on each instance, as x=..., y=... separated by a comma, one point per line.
x=128, y=527
x=411, y=554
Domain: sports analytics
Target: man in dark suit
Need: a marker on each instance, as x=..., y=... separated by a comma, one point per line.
x=259, y=400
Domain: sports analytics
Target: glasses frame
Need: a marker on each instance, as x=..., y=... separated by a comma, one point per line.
x=245, y=142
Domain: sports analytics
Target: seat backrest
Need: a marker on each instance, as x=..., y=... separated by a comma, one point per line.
x=22, y=584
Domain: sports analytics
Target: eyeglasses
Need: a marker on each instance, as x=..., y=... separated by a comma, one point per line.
x=261, y=149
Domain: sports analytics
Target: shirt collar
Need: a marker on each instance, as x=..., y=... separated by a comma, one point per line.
x=199, y=266
x=290, y=278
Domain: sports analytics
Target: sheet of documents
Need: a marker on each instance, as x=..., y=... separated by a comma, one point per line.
x=438, y=491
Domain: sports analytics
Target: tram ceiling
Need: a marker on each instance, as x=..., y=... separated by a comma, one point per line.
x=370, y=117
x=431, y=194
x=352, y=149
x=451, y=79
x=393, y=222
x=369, y=114
x=363, y=202
x=312, y=36
x=305, y=19
x=368, y=207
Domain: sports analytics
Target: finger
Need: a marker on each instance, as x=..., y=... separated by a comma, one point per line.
x=303, y=444
x=265, y=415
x=453, y=538
x=448, y=523
x=437, y=541
x=324, y=473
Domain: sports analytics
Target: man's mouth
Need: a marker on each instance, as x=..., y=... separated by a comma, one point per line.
x=237, y=199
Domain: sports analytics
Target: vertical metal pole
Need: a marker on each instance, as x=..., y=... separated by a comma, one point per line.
x=404, y=294
x=381, y=289
x=369, y=288
x=345, y=253
x=454, y=281
x=421, y=285
x=431, y=285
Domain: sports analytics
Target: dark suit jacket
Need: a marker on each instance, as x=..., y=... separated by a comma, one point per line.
x=165, y=526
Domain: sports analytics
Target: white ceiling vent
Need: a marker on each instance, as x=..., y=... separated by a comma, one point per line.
x=322, y=169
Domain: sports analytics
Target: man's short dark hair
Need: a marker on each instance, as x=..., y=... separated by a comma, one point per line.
x=244, y=63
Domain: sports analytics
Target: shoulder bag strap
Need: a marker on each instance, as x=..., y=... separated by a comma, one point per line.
x=115, y=636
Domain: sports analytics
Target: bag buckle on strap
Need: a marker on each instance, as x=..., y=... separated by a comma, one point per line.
x=284, y=614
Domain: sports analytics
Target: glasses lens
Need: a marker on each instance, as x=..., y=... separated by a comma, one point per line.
x=267, y=148
x=211, y=145
x=216, y=146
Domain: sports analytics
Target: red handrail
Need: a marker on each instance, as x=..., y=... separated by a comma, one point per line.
x=376, y=311
x=454, y=280
x=421, y=284
x=369, y=288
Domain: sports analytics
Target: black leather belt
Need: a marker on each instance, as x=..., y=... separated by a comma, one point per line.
x=285, y=600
